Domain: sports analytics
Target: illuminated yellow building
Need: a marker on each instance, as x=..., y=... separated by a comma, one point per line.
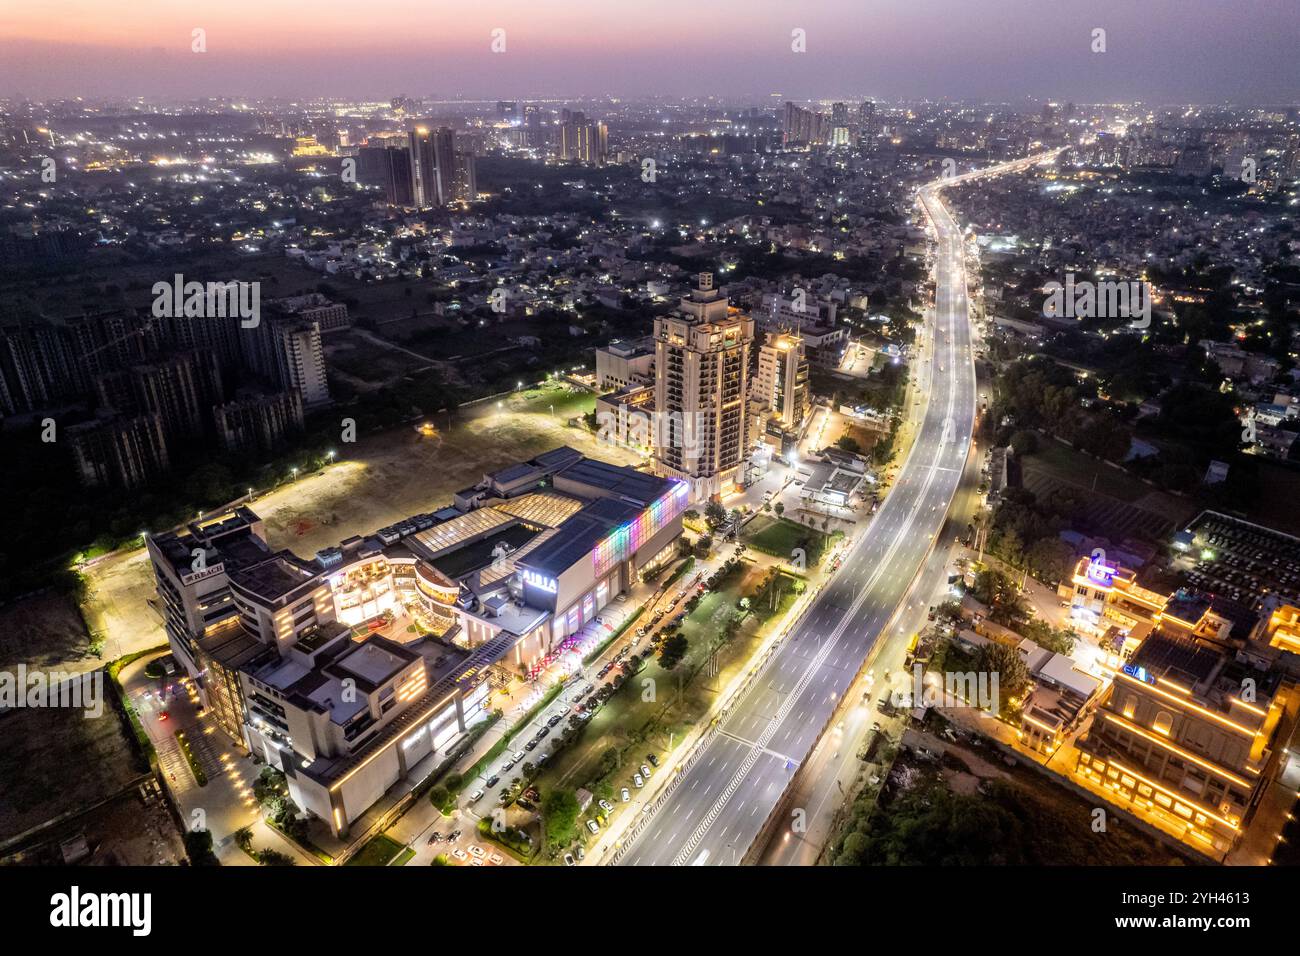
x=1185, y=734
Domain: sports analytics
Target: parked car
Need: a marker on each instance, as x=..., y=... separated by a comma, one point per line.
x=582, y=853
x=625, y=795
x=591, y=825
x=606, y=805
x=638, y=780
x=645, y=771
x=568, y=859
x=477, y=795
x=654, y=761
x=492, y=780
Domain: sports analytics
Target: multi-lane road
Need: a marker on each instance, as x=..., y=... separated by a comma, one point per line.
x=720, y=805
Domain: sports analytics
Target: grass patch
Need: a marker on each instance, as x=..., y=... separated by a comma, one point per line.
x=380, y=850
x=1083, y=471
x=403, y=858
x=780, y=537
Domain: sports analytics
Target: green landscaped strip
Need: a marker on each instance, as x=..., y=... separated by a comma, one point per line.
x=200, y=777
x=403, y=858
x=306, y=845
x=378, y=851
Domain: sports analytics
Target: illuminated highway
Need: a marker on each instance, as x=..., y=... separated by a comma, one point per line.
x=719, y=805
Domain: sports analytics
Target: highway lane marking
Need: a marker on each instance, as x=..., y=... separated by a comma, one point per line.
x=805, y=678
x=867, y=545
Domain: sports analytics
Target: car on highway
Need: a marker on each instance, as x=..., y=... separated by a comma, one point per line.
x=492, y=780
x=519, y=755
x=507, y=766
x=625, y=795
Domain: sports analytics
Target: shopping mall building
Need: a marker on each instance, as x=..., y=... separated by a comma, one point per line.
x=496, y=584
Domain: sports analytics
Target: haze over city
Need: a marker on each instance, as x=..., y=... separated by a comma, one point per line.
x=1162, y=51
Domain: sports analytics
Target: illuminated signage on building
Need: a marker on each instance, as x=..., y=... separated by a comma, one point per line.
x=1139, y=673
x=1101, y=574
x=541, y=582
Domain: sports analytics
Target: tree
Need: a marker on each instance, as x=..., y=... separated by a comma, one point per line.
x=779, y=507
x=1025, y=441
x=1013, y=676
x=714, y=514
x=673, y=650
x=610, y=758
x=849, y=444
x=198, y=847
x=560, y=813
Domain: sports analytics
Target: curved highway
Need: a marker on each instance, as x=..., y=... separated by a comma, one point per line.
x=717, y=808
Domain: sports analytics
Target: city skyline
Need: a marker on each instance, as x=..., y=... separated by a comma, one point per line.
x=1165, y=52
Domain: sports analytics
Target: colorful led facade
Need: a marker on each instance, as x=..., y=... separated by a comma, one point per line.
x=625, y=540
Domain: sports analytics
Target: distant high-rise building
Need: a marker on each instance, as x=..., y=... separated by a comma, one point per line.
x=121, y=451
x=259, y=424
x=302, y=361
x=581, y=140
x=804, y=127
x=180, y=390
x=399, y=188
x=286, y=352
x=424, y=168
x=701, y=391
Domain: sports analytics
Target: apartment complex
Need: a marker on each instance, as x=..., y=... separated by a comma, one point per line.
x=582, y=140
x=702, y=357
x=780, y=395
